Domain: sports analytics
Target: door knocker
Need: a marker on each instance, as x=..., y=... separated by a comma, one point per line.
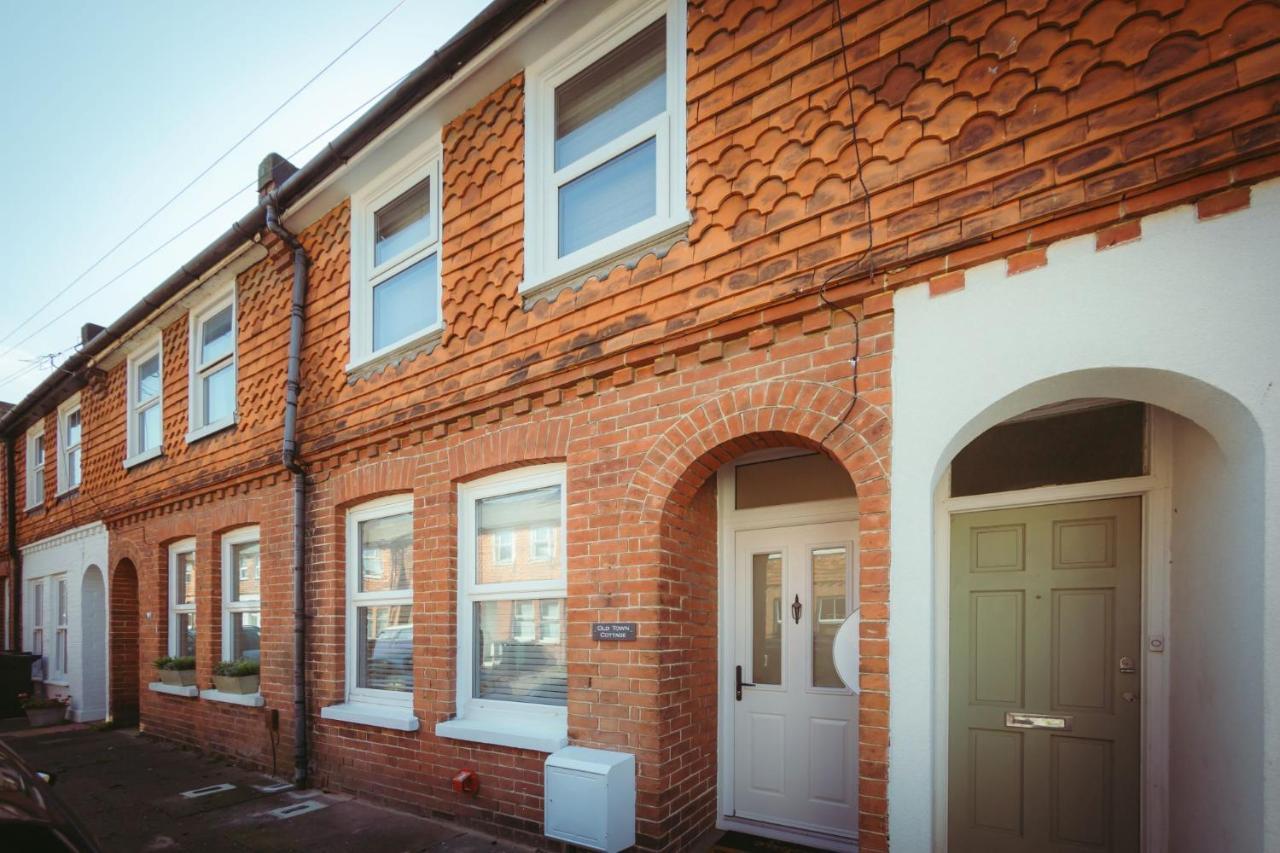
x=795, y=610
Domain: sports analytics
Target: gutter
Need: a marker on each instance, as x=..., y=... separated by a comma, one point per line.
x=439, y=68
x=289, y=459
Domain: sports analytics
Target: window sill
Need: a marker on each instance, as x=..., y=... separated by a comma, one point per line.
x=145, y=456
x=368, y=365
x=206, y=431
x=541, y=735
x=401, y=719
x=174, y=690
x=249, y=700
x=56, y=682
x=68, y=492
x=548, y=286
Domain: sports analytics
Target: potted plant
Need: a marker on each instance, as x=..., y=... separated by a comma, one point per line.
x=236, y=676
x=177, y=672
x=43, y=711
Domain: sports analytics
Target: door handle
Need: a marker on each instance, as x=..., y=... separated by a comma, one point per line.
x=739, y=683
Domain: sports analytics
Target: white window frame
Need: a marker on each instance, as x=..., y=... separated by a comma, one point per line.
x=381, y=508
x=519, y=724
x=607, y=31
x=133, y=409
x=60, y=600
x=38, y=624
x=34, y=472
x=185, y=546
x=242, y=536
x=197, y=370
x=423, y=163
x=65, y=411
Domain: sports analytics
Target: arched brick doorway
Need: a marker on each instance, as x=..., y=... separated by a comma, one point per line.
x=123, y=632
x=671, y=502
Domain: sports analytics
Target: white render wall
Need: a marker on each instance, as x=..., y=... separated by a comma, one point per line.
x=70, y=553
x=1187, y=319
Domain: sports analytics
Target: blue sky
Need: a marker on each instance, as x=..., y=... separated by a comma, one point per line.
x=110, y=108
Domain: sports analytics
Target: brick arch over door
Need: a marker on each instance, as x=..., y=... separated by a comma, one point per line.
x=751, y=417
x=123, y=642
x=670, y=502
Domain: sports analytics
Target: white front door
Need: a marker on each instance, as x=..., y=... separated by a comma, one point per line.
x=795, y=722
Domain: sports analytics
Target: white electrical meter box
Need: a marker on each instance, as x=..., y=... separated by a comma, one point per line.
x=591, y=798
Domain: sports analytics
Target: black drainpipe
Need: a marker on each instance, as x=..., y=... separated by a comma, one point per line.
x=15, y=555
x=289, y=458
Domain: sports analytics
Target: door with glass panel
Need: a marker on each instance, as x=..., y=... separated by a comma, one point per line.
x=795, y=720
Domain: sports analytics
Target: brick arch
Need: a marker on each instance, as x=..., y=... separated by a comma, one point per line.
x=372, y=480
x=123, y=640
x=670, y=506
x=523, y=443
x=751, y=417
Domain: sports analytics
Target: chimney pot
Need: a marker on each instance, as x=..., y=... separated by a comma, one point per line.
x=273, y=171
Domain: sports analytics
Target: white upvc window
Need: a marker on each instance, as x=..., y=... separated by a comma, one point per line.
x=58, y=672
x=512, y=662
x=144, y=405
x=70, y=432
x=182, y=598
x=395, y=258
x=35, y=467
x=241, y=595
x=380, y=604
x=605, y=141
x=213, y=365
x=37, y=623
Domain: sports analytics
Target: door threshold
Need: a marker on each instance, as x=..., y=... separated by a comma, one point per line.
x=803, y=839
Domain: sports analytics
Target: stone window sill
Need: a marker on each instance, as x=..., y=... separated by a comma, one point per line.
x=249, y=700
x=386, y=717
x=174, y=690
x=540, y=735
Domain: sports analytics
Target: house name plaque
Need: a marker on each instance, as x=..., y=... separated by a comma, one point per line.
x=625, y=631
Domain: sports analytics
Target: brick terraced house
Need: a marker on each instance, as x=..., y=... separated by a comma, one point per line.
x=863, y=415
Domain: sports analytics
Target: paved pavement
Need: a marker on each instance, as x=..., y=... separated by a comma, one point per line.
x=128, y=788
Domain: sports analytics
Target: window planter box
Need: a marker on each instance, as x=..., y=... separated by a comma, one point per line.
x=38, y=717
x=244, y=685
x=178, y=677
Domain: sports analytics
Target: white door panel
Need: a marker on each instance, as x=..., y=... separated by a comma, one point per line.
x=795, y=727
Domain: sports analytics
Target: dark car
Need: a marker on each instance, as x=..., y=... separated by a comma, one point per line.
x=31, y=817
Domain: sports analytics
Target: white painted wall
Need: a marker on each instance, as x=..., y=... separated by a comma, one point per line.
x=71, y=553
x=1188, y=319
x=1216, y=660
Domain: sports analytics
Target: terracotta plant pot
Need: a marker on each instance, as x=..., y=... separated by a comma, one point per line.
x=178, y=677
x=242, y=684
x=38, y=717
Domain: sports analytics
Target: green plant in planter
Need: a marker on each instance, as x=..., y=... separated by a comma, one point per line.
x=237, y=676
x=177, y=672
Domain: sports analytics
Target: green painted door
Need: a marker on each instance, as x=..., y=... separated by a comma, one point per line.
x=1045, y=647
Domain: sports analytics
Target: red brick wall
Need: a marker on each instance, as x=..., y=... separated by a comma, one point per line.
x=640, y=447
x=142, y=541
x=985, y=129
x=123, y=641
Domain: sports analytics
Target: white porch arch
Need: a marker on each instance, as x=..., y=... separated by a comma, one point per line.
x=1183, y=319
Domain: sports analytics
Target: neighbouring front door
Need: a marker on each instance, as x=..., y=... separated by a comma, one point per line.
x=795, y=721
x=1045, y=648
